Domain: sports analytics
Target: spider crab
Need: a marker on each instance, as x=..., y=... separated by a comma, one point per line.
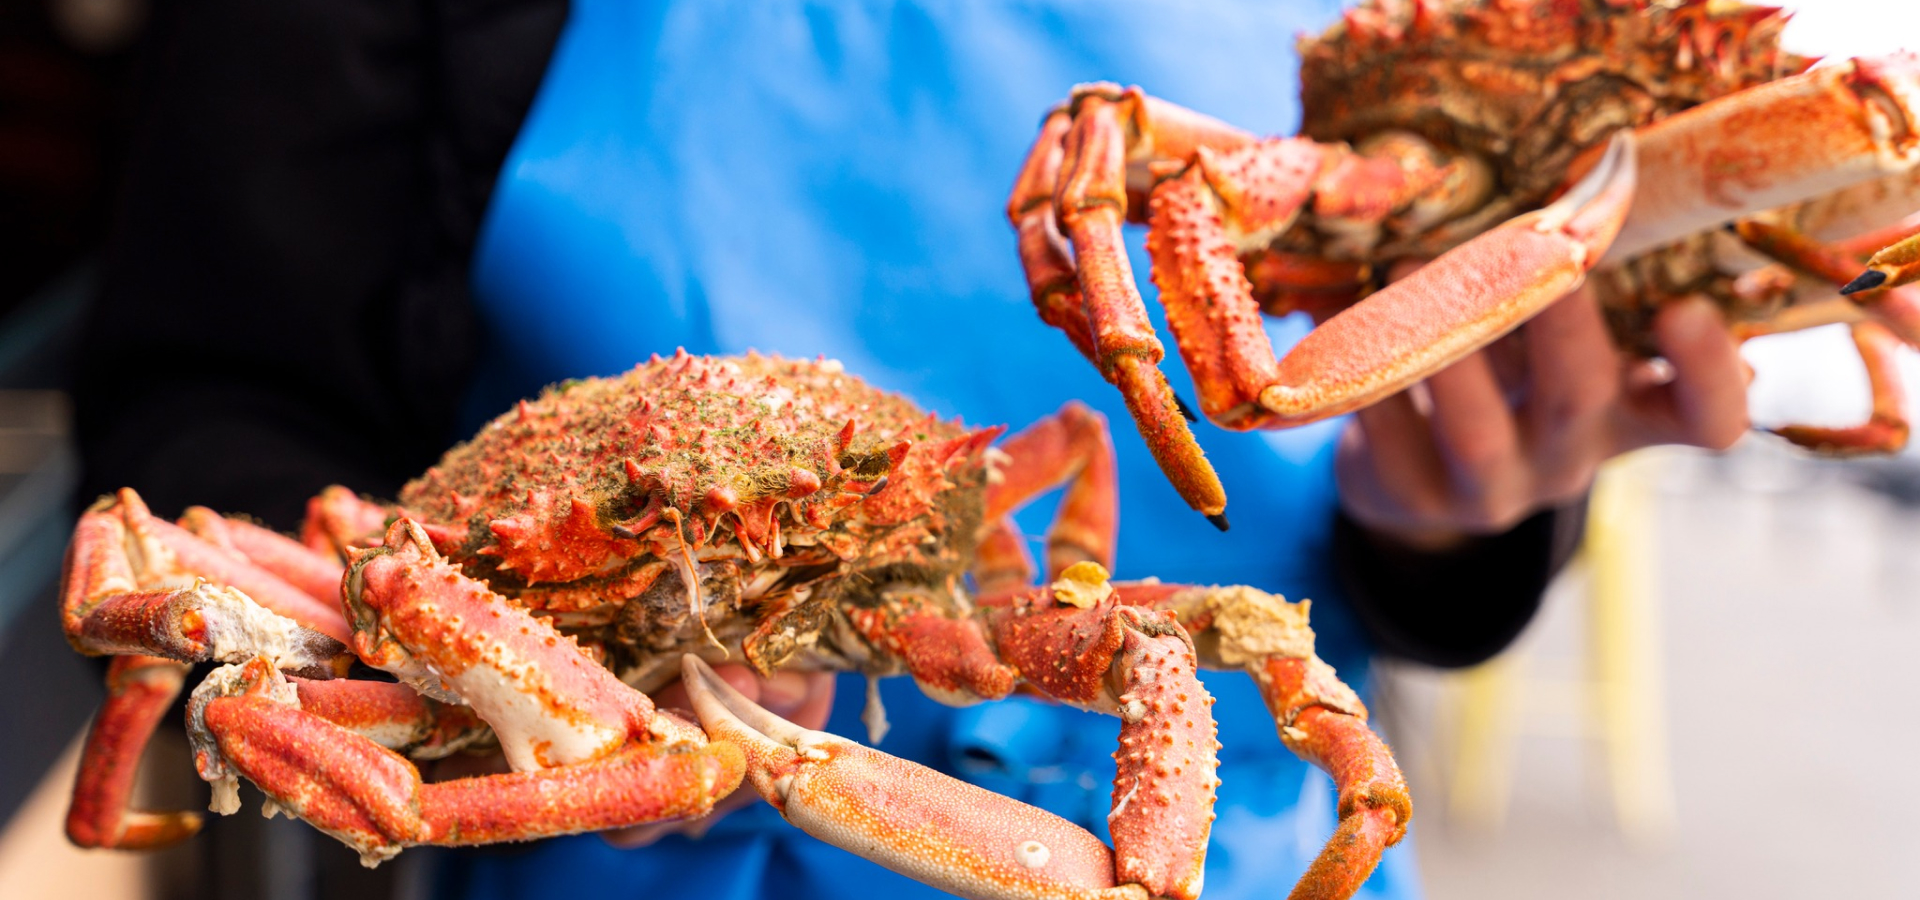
x=603, y=539
x=1439, y=130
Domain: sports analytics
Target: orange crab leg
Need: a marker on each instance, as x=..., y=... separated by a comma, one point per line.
x=111, y=606
x=1463, y=299
x=1138, y=665
x=1091, y=204
x=947, y=655
x=337, y=520
x=1070, y=447
x=1886, y=429
x=1895, y=317
x=425, y=621
x=1773, y=144
x=139, y=691
x=1319, y=718
x=315, y=574
x=1373, y=800
x=1043, y=251
x=589, y=752
x=1897, y=308
x=925, y=825
x=1132, y=663
x=391, y=715
x=1204, y=219
x=106, y=600
x=373, y=800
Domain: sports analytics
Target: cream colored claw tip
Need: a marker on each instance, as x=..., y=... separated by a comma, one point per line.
x=724, y=710
x=1597, y=203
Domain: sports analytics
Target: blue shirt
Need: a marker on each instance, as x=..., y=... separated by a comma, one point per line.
x=831, y=179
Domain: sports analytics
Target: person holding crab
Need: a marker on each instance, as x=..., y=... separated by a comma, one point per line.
x=359, y=234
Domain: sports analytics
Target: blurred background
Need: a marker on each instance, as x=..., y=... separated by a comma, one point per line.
x=1715, y=700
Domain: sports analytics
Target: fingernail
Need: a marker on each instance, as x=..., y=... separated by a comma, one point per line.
x=784, y=692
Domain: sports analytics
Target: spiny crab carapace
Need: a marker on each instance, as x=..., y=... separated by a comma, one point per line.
x=1438, y=131
x=605, y=538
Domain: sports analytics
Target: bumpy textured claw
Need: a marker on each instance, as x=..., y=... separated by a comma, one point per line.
x=1456, y=304
x=907, y=817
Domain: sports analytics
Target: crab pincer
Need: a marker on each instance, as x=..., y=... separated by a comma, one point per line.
x=1892, y=267
x=933, y=828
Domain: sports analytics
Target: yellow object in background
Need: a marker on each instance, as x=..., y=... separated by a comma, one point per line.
x=1620, y=702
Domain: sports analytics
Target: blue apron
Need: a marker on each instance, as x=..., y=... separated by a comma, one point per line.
x=831, y=180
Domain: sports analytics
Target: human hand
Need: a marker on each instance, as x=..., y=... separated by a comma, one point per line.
x=803, y=698
x=1525, y=423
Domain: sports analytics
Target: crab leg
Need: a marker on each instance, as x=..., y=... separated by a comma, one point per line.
x=338, y=520
x=1070, y=447
x=909, y=818
x=1320, y=719
x=1043, y=251
x=1463, y=299
x=391, y=715
x=139, y=691
x=946, y=654
x=1886, y=429
x=1091, y=202
x=314, y=573
x=1894, y=317
x=1083, y=648
x=372, y=799
x=588, y=751
x=1773, y=144
x=123, y=596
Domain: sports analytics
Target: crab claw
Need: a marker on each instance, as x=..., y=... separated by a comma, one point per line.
x=1892, y=267
x=943, y=832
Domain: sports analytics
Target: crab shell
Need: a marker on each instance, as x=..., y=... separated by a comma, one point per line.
x=715, y=506
x=1526, y=86
x=1530, y=90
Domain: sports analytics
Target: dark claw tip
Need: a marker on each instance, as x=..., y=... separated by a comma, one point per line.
x=1868, y=280
x=1219, y=520
x=878, y=486
x=1186, y=412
